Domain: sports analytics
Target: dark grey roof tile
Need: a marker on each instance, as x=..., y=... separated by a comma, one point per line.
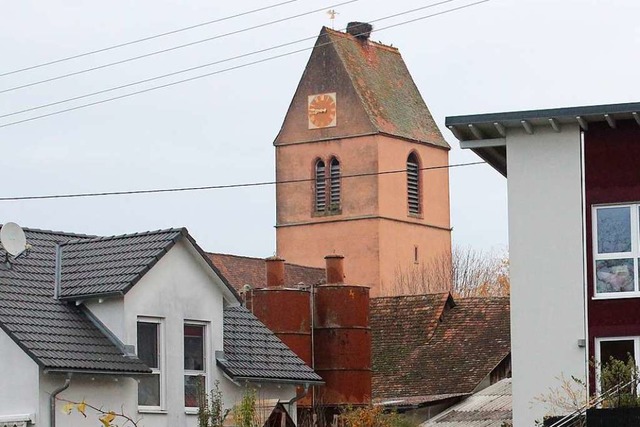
x=253, y=351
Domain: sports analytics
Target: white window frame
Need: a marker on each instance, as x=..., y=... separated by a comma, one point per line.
x=205, y=362
x=161, y=369
x=634, y=254
x=636, y=352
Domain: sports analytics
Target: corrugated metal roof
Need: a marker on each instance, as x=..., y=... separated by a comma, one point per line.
x=490, y=407
x=253, y=352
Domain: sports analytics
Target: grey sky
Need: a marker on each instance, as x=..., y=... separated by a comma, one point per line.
x=499, y=56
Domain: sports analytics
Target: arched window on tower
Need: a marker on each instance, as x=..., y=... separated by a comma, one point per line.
x=334, y=185
x=320, y=187
x=413, y=184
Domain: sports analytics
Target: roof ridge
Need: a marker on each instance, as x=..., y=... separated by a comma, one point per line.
x=389, y=297
x=94, y=239
x=371, y=42
x=262, y=259
x=59, y=233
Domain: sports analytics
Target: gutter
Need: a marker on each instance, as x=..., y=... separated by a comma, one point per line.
x=52, y=400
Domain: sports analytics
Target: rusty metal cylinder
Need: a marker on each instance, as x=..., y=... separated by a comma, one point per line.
x=335, y=268
x=342, y=344
x=275, y=271
x=287, y=313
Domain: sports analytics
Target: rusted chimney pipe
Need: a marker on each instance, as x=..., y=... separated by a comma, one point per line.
x=335, y=269
x=275, y=271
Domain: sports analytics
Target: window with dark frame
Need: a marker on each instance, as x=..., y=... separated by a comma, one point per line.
x=194, y=363
x=413, y=184
x=320, y=187
x=148, y=346
x=335, y=184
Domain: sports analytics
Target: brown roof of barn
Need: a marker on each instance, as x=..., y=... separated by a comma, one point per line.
x=388, y=93
x=428, y=345
x=242, y=270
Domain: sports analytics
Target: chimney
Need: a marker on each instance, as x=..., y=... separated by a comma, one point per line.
x=360, y=30
x=335, y=269
x=275, y=271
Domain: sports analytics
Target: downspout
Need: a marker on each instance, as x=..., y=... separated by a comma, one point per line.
x=295, y=399
x=52, y=400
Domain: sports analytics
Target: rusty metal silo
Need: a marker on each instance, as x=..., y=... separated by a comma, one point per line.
x=342, y=339
x=287, y=313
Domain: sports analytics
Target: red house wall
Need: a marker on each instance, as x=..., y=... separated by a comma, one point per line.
x=612, y=175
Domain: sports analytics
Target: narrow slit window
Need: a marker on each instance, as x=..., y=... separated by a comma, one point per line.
x=334, y=185
x=321, y=187
x=413, y=184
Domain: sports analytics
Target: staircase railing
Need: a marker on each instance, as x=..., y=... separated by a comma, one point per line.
x=567, y=419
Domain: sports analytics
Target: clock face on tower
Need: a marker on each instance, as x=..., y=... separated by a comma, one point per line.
x=321, y=110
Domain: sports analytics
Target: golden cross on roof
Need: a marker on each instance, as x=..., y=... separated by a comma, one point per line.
x=332, y=15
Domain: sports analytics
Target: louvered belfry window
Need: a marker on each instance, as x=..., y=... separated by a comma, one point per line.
x=413, y=184
x=334, y=187
x=321, y=187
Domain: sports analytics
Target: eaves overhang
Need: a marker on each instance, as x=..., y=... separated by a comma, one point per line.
x=485, y=134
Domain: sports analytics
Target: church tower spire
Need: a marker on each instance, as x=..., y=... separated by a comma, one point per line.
x=355, y=118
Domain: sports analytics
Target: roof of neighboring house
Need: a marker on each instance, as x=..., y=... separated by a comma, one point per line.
x=388, y=93
x=253, y=353
x=241, y=270
x=57, y=335
x=427, y=346
x=490, y=407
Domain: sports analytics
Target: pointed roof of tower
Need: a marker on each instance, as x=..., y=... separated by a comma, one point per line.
x=382, y=82
x=388, y=92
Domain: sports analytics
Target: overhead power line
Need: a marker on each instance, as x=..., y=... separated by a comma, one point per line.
x=144, y=39
x=207, y=74
x=170, y=49
x=220, y=187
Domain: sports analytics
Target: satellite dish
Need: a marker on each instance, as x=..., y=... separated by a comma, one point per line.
x=13, y=239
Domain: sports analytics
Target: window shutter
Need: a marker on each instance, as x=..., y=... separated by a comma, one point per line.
x=335, y=184
x=413, y=184
x=321, y=187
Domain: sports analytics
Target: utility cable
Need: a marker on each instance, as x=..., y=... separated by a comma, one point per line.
x=220, y=187
x=105, y=49
x=202, y=75
x=170, y=49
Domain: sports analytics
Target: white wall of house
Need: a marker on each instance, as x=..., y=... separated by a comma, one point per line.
x=115, y=393
x=110, y=312
x=18, y=379
x=180, y=287
x=546, y=264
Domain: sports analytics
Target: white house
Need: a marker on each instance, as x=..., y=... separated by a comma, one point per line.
x=129, y=323
x=574, y=238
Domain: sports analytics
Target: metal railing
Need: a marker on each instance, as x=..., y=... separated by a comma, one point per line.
x=568, y=419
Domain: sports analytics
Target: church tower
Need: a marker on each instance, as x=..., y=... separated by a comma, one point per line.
x=359, y=140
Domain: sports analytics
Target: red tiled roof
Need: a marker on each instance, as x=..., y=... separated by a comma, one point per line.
x=427, y=345
x=388, y=93
x=241, y=270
